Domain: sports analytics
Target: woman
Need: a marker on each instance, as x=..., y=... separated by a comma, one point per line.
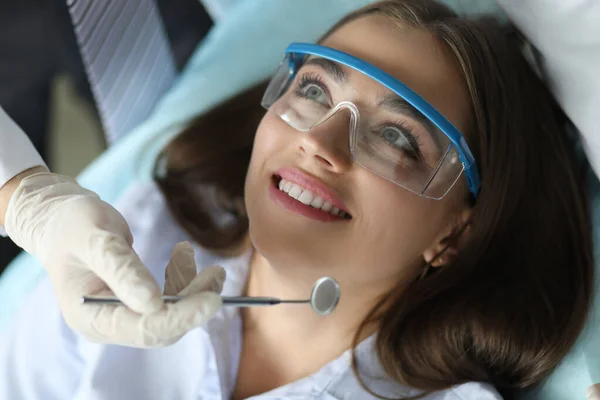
x=451, y=213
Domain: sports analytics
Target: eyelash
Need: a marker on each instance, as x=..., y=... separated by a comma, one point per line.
x=311, y=78
x=413, y=139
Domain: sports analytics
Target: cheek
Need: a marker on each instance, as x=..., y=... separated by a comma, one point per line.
x=270, y=137
x=267, y=143
x=398, y=226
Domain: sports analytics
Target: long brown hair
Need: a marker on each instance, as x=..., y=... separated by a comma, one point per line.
x=514, y=301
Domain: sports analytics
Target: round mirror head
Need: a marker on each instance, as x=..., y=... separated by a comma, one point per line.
x=325, y=296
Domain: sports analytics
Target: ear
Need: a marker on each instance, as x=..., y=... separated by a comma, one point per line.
x=445, y=248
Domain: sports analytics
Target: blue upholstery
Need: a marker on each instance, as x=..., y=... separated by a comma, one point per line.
x=244, y=48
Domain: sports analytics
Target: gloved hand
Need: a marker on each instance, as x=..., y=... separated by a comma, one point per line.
x=84, y=244
x=593, y=392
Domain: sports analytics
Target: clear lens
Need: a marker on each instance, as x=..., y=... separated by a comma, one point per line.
x=387, y=135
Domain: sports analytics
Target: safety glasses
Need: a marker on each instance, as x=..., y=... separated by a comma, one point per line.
x=393, y=132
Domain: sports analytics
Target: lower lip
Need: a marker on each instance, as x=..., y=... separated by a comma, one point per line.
x=297, y=207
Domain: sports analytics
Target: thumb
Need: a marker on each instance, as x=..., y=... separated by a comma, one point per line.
x=593, y=392
x=181, y=269
x=210, y=279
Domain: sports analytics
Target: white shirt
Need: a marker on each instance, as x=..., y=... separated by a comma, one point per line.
x=41, y=358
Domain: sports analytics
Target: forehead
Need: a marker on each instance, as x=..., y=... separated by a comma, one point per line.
x=413, y=56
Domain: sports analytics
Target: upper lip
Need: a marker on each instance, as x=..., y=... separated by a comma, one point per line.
x=314, y=185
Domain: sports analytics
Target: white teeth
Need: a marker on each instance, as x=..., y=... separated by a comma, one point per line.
x=295, y=191
x=307, y=197
x=317, y=202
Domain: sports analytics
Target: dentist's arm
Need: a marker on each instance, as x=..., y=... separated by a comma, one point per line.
x=18, y=159
x=85, y=246
x=567, y=33
x=7, y=190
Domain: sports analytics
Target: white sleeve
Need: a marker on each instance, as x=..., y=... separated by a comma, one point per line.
x=17, y=153
x=16, y=150
x=567, y=34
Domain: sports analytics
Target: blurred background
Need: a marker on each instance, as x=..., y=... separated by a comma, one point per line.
x=75, y=136
x=44, y=88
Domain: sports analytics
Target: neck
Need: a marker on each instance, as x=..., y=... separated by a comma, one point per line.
x=298, y=323
x=286, y=342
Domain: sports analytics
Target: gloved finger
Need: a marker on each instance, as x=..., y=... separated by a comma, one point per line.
x=181, y=269
x=121, y=325
x=116, y=263
x=593, y=392
x=100, y=323
x=209, y=279
x=78, y=316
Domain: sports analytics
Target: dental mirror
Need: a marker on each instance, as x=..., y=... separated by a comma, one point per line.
x=324, y=297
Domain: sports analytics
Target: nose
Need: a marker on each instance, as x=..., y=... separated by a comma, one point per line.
x=328, y=143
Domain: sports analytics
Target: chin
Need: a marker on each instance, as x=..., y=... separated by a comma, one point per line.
x=286, y=247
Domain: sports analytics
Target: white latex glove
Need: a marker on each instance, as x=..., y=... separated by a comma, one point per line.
x=593, y=392
x=182, y=279
x=85, y=246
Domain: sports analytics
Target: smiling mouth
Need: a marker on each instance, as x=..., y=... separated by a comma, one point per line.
x=308, y=198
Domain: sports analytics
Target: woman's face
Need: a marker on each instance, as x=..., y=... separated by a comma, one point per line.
x=389, y=230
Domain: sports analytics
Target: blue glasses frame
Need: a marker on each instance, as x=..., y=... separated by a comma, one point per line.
x=453, y=134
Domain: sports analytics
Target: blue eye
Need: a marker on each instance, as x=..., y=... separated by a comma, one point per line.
x=394, y=137
x=311, y=87
x=401, y=138
x=314, y=92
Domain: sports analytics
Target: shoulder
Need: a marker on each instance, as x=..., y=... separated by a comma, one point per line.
x=155, y=232
x=469, y=391
x=142, y=198
x=390, y=389
x=39, y=354
x=346, y=385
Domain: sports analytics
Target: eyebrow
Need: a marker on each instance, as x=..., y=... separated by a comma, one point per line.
x=392, y=102
x=398, y=105
x=333, y=69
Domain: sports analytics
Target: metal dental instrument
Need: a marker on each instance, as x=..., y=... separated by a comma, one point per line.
x=323, y=299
